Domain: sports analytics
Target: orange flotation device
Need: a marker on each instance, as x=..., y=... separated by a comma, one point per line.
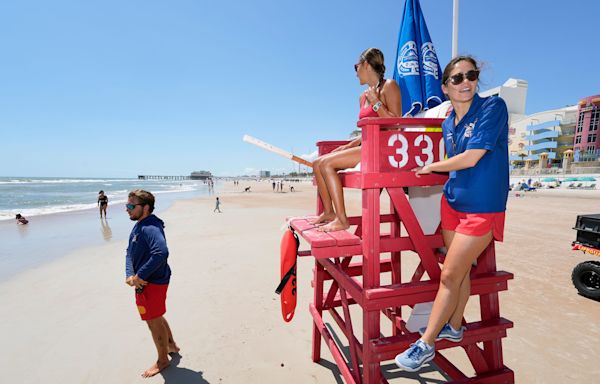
x=287, y=286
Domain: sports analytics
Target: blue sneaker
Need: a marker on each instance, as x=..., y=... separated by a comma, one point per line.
x=447, y=333
x=414, y=357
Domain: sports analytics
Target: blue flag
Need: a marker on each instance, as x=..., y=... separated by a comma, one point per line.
x=417, y=70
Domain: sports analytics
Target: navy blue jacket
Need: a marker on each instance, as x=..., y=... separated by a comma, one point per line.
x=147, y=252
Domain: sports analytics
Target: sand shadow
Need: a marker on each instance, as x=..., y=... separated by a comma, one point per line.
x=390, y=371
x=23, y=230
x=177, y=375
x=106, y=231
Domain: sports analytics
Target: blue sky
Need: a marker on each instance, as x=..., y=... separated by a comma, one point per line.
x=120, y=88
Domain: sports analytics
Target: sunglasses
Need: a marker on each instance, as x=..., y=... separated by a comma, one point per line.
x=356, y=66
x=131, y=206
x=471, y=75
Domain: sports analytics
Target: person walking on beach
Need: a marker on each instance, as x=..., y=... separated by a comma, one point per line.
x=217, y=204
x=147, y=270
x=473, y=203
x=102, y=203
x=381, y=99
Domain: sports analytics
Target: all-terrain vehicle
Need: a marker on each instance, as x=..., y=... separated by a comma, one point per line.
x=586, y=275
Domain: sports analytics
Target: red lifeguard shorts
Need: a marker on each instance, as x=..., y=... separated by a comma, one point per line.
x=473, y=224
x=151, y=303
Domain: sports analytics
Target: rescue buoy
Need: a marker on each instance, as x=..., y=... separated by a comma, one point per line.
x=287, y=286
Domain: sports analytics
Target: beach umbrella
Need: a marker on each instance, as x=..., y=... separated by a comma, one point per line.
x=417, y=70
x=586, y=178
x=548, y=179
x=571, y=179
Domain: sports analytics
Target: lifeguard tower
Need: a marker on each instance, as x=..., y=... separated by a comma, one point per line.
x=349, y=266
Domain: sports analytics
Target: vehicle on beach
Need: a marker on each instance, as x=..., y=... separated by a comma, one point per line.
x=586, y=275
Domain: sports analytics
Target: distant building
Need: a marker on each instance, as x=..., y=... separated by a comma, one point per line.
x=200, y=175
x=514, y=94
x=265, y=174
x=548, y=132
x=586, y=146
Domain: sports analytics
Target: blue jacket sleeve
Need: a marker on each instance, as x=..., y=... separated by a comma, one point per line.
x=492, y=120
x=128, y=264
x=159, y=252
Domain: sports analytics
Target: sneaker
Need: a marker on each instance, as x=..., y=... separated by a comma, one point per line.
x=414, y=357
x=447, y=333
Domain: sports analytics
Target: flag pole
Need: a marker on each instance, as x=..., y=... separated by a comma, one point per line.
x=455, y=29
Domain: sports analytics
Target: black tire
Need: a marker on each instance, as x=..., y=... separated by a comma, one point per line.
x=586, y=278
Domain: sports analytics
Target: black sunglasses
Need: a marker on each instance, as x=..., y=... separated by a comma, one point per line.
x=357, y=65
x=471, y=75
x=131, y=206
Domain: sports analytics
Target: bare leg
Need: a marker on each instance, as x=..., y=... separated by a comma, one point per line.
x=341, y=160
x=328, y=214
x=462, y=252
x=160, y=336
x=173, y=348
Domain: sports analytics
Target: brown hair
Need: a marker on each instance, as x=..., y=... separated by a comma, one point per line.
x=144, y=197
x=374, y=57
x=455, y=61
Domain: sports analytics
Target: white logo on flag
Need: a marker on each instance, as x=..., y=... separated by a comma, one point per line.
x=430, y=62
x=408, y=60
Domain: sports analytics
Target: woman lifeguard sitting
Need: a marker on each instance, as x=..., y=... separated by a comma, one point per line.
x=381, y=99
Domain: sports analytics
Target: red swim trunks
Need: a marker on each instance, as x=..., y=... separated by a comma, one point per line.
x=151, y=303
x=473, y=224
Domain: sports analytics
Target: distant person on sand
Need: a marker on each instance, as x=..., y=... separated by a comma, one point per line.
x=381, y=99
x=217, y=204
x=473, y=203
x=21, y=220
x=147, y=270
x=274, y=186
x=102, y=203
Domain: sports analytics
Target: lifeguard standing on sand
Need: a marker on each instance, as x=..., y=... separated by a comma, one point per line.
x=147, y=270
x=473, y=203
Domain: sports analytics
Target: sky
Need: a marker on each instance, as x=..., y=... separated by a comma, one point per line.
x=120, y=88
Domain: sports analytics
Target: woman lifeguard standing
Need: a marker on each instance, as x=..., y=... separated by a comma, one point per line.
x=381, y=99
x=473, y=202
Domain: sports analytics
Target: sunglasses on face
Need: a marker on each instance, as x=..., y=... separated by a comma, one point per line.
x=357, y=65
x=131, y=206
x=471, y=75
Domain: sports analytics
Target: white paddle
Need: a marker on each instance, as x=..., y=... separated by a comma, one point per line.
x=279, y=151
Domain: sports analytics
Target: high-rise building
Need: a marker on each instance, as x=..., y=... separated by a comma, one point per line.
x=586, y=146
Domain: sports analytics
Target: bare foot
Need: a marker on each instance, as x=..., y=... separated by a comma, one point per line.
x=322, y=219
x=156, y=368
x=173, y=348
x=335, y=225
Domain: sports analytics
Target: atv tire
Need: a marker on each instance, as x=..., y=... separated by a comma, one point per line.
x=586, y=278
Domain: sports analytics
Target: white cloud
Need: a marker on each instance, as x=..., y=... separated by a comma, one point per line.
x=310, y=156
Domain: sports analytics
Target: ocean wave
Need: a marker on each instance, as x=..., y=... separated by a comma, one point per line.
x=62, y=181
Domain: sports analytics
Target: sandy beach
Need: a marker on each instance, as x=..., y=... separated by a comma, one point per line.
x=73, y=320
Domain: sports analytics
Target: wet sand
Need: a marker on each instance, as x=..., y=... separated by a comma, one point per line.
x=73, y=320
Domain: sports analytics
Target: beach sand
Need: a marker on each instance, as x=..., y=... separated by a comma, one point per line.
x=73, y=320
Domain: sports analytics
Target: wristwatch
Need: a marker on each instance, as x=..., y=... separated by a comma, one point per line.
x=376, y=106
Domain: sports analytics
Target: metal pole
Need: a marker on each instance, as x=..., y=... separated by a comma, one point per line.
x=455, y=29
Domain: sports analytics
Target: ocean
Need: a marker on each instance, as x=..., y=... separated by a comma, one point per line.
x=35, y=196
x=63, y=215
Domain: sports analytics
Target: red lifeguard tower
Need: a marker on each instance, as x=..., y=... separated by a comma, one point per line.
x=349, y=266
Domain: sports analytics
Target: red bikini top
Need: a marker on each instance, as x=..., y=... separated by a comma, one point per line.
x=366, y=109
